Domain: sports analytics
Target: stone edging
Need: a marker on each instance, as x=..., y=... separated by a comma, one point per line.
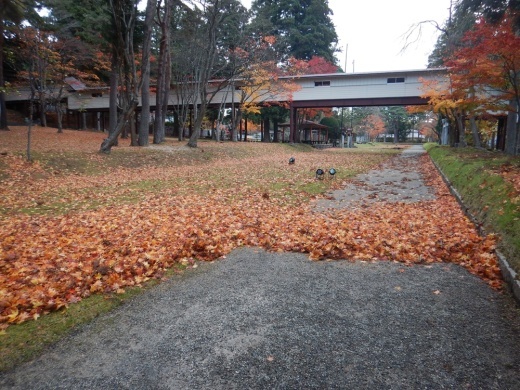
x=509, y=274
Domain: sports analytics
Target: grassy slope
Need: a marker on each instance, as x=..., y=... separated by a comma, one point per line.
x=491, y=198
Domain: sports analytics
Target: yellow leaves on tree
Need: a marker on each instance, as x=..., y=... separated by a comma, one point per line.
x=261, y=82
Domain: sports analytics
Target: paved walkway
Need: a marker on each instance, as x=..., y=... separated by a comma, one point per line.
x=259, y=320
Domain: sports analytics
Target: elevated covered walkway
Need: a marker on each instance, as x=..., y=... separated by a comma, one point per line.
x=389, y=88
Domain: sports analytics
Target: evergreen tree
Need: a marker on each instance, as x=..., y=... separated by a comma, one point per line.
x=463, y=16
x=303, y=28
x=451, y=36
x=493, y=10
x=397, y=121
x=86, y=19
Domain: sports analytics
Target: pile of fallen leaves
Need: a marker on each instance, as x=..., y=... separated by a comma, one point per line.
x=50, y=261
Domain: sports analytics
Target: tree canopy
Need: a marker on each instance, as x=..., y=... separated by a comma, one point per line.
x=479, y=45
x=194, y=43
x=303, y=28
x=12, y=12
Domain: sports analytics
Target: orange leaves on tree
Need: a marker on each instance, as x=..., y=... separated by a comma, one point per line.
x=319, y=65
x=374, y=126
x=316, y=65
x=489, y=59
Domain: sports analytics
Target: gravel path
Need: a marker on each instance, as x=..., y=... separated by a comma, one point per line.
x=397, y=181
x=259, y=320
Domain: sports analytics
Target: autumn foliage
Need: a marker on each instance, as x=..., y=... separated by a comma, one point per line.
x=482, y=82
x=374, y=125
x=319, y=65
x=484, y=69
x=68, y=233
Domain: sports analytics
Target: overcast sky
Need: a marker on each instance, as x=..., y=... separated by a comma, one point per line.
x=374, y=29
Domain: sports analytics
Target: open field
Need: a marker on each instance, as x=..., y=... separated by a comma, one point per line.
x=76, y=224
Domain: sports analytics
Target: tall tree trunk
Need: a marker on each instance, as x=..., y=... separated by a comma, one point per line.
x=462, y=136
x=98, y=121
x=113, y=111
x=59, y=108
x=275, y=130
x=512, y=144
x=245, y=128
x=31, y=112
x=133, y=130
x=144, y=122
x=43, y=103
x=3, y=108
x=474, y=132
x=205, y=67
x=144, y=125
x=158, y=128
x=293, y=115
x=192, y=143
x=267, y=130
x=59, y=112
x=501, y=133
x=177, y=125
x=106, y=145
x=124, y=16
x=162, y=76
x=236, y=124
x=461, y=131
x=452, y=128
x=166, y=92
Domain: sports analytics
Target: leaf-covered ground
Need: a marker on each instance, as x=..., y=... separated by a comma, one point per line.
x=75, y=222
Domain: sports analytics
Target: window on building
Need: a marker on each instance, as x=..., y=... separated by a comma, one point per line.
x=322, y=83
x=393, y=80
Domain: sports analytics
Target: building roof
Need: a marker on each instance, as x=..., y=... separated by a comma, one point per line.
x=75, y=84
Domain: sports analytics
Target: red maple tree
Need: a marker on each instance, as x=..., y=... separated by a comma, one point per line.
x=485, y=72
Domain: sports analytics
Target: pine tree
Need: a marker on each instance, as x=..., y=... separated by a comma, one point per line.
x=303, y=27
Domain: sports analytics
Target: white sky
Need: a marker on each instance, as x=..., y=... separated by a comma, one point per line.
x=374, y=29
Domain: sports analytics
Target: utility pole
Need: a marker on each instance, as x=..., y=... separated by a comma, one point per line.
x=346, y=56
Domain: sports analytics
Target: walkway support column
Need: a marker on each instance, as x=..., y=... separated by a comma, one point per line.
x=293, y=118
